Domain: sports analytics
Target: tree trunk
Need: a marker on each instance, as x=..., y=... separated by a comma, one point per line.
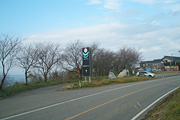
x=26, y=77
x=45, y=77
x=2, y=82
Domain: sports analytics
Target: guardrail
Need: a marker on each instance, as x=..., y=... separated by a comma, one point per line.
x=166, y=74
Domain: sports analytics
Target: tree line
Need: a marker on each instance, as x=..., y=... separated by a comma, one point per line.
x=47, y=57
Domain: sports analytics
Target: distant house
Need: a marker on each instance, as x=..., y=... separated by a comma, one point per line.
x=166, y=63
x=155, y=65
x=169, y=59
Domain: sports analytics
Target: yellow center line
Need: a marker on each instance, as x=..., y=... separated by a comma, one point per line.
x=117, y=99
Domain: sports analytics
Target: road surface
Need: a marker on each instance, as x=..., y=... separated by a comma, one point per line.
x=114, y=102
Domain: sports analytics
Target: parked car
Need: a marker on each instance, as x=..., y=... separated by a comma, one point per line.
x=145, y=73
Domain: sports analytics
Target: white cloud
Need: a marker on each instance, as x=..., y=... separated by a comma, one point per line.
x=145, y=1
x=112, y=4
x=92, y=2
x=173, y=8
x=155, y=43
x=91, y=33
x=151, y=2
x=155, y=22
x=169, y=1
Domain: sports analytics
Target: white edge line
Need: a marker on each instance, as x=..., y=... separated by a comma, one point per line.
x=53, y=105
x=140, y=113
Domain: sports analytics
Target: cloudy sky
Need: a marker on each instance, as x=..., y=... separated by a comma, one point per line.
x=152, y=26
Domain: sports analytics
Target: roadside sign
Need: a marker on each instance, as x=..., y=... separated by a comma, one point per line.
x=86, y=61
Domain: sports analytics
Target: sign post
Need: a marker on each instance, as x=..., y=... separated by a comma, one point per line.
x=86, y=63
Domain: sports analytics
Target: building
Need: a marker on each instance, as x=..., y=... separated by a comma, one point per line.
x=170, y=59
x=155, y=65
x=166, y=63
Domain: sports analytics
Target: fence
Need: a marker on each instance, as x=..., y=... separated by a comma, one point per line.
x=166, y=74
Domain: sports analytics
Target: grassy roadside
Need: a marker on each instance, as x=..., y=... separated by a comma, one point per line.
x=168, y=109
x=102, y=82
x=19, y=87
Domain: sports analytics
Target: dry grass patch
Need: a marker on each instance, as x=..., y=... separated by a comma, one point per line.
x=168, y=109
x=102, y=82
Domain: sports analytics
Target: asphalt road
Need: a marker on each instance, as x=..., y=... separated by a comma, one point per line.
x=113, y=102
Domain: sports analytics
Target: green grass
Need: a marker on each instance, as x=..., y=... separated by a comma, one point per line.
x=102, y=82
x=168, y=109
x=19, y=87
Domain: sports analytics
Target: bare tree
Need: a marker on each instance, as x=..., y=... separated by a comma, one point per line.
x=49, y=56
x=72, y=57
x=27, y=58
x=103, y=61
x=9, y=47
x=127, y=58
x=94, y=48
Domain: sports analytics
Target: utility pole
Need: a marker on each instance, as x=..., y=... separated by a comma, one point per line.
x=171, y=63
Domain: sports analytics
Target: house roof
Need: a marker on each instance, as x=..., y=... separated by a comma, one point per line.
x=173, y=58
x=153, y=61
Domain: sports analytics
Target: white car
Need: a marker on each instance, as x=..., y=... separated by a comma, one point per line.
x=145, y=73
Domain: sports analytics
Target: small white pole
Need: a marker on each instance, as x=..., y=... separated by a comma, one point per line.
x=85, y=79
x=89, y=79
